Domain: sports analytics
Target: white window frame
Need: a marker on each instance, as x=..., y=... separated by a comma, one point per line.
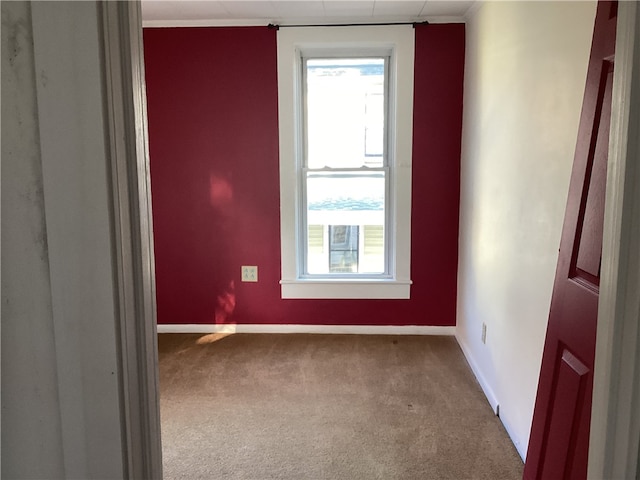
x=293, y=43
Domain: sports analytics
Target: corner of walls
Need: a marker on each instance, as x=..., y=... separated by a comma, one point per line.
x=525, y=69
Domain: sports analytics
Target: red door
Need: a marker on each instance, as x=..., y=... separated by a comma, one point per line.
x=559, y=442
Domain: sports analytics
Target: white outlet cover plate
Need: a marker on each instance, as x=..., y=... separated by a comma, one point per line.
x=249, y=273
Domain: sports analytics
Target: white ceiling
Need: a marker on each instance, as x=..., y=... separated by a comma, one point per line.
x=262, y=12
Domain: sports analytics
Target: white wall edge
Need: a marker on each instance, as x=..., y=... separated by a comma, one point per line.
x=322, y=329
x=488, y=392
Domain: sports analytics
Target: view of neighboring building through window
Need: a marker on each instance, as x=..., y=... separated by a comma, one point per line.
x=345, y=169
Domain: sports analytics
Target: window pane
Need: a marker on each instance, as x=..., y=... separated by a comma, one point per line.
x=345, y=112
x=343, y=248
x=348, y=207
x=315, y=238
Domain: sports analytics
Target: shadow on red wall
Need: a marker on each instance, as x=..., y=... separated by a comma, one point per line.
x=213, y=139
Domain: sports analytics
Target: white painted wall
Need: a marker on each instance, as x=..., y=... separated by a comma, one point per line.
x=525, y=72
x=60, y=396
x=31, y=429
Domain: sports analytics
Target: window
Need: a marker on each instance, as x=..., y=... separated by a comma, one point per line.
x=345, y=114
x=345, y=170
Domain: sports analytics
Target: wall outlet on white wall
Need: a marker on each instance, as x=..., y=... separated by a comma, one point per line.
x=484, y=332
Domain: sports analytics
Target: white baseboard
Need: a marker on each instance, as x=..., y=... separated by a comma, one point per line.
x=322, y=329
x=521, y=447
x=488, y=392
x=491, y=397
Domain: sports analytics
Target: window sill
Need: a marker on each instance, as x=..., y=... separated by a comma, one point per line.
x=347, y=288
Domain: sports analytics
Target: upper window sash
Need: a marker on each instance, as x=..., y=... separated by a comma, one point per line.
x=334, y=59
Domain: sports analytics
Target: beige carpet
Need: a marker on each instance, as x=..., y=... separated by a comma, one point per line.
x=254, y=407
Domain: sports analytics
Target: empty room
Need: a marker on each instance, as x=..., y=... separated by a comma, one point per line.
x=320, y=239
x=337, y=201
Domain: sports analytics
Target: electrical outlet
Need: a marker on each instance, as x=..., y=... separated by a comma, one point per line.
x=484, y=332
x=249, y=273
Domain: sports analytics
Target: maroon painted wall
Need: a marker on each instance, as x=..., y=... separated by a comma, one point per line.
x=213, y=139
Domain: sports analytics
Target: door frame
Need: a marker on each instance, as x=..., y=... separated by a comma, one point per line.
x=615, y=424
x=615, y=419
x=132, y=227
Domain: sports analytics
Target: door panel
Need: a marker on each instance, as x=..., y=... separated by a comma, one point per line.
x=568, y=400
x=558, y=445
x=589, y=242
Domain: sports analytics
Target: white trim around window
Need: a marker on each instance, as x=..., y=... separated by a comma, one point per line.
x=291, y=43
